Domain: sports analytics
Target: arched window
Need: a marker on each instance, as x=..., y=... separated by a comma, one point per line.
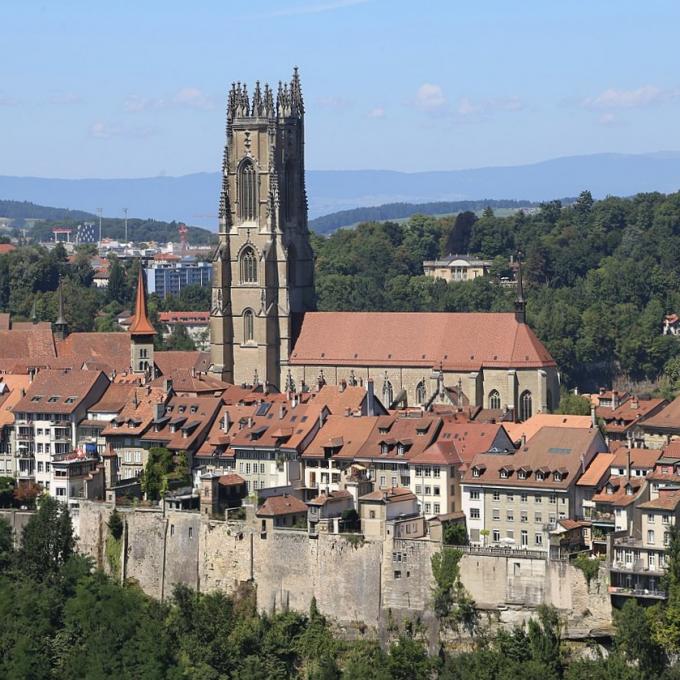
x=248, y=266
x=494, y=399
x=525, y=405
x=388, y=394
x=248, y=326
x=247, y=196
x=421, y=393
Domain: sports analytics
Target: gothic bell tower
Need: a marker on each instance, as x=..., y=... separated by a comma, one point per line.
x=263, y=267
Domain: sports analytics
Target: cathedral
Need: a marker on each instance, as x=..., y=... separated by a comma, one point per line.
x=264, y=328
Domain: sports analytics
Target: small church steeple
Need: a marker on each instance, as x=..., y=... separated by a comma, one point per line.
x=60, y=325
x=520, y=301
x=141, y=331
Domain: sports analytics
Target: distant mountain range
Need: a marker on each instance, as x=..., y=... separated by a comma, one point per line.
x=194, y=198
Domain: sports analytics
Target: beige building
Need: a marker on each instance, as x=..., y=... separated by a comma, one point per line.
x=456, y=268
x=517, y=498
x=263, y=327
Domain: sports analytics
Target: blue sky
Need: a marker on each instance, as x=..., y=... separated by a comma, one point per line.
x=130, y=89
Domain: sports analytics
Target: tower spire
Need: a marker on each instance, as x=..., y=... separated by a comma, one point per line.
x=141, y=324
x=520, y=301
x=60, y=325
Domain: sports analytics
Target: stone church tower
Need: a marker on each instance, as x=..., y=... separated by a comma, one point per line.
x=263, y=268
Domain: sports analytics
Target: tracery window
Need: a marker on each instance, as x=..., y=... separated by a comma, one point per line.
x=247, y=191
x=421, y=393
x=248, y=326
x=494, y=399
x=248, y=266
x=388, y=393
x=525, y=406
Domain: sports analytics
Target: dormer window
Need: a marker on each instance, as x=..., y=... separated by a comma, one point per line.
x=475, y=472
x=194, y=409
x=401, y=449
x=557, y=476
x=70, y=400
x=504, y=473
x=521, y=474
x=384, y=449
x=629, y=490
x=181, y=409
x=540, y=476
x=36, y=398
x=53, y=399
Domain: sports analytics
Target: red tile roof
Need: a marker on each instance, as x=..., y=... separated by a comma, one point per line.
x=278, y=506
x=110, y=349
x=332, y=497
x=189, y=318
x=457, y=341
x=639, y=458
x=393, y=495
x=171, y=360
x=615, y=491
x=342, y=436
x=668, y=499
x=231, y=480
x=668, y=419
x=597, y=471
x=631, y=412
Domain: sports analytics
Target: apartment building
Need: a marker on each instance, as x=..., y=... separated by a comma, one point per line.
x=47, y=418
x=639, y=559
x=516, y=498
x=12, y=389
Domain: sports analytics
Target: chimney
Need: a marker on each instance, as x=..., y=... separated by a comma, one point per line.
x=615, y=399
x=524, y=440
x=193, y=371
x=282, y=411
x=634, y=402
x=602, y=391
x=158, y=411
x=293, y=400
x=226, y=422
x=322, y=418
x=250, y=421
x=628, y=456
x=593, y=417
x=167, y=385
x=370, y=409
x=342, y=385
x=348, y=411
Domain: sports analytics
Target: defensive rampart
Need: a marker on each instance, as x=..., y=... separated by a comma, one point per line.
x=355, y=582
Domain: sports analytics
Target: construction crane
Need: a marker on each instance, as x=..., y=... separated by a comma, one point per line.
x=184, y=243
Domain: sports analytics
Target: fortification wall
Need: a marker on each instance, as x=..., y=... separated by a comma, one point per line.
x=354, y=582
x=17, y=519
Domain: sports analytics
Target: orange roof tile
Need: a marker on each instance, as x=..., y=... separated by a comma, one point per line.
x=396, y=493
x=532, y=425
x=667, y=419
x=668, y=499
x=277, y=506
x=141, y=324
x=597, y=470
x=459, y=341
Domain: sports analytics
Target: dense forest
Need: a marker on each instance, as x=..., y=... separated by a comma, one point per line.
x=61, y=618
x=599, y=276
x=396, y=211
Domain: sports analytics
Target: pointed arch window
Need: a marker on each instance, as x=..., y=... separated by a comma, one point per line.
x=289, y=192
x=248, y=326
x=247, y=191
x=388, y=393
x=248, y=265
x=525, y=406
x=494, y=399
x=421, y=392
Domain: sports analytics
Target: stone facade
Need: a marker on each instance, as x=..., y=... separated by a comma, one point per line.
x=263, y=269
x=355, y=583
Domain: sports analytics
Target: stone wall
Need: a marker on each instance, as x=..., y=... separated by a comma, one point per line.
x=354, y=582
x=17, y=520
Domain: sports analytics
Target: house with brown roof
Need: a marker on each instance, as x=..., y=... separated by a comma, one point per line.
x=662, y=427
x=624, y=423
x=326, y=509
x=518, y=496
x=281, y=512
x=195, y=322
x=12, y=389
x=380, y=509
x=639, y=558
x=47, y=418
x=123, y=434
x=435, y=472
x=634, y=462
x=266, y=450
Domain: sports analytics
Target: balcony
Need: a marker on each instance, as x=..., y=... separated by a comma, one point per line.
x=602, y=517
x=642, y=593
x=25, y=435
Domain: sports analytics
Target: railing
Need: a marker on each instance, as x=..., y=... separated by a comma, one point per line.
x=636, y=567
x=637, y=592
x=502, y=551
x=601, y=516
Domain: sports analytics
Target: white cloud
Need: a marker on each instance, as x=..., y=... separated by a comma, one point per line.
x=467, y=108
x=186, y=97
x=630, y=99
x=377, y=112
x=430, y=97
x=102, y=130
x=608, y=119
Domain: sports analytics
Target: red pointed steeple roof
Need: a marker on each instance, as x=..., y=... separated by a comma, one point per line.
x=141, y=324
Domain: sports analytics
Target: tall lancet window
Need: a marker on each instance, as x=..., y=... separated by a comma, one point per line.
x=248, y=264
x=248, y=326
x=289, y=193
x=247, y=191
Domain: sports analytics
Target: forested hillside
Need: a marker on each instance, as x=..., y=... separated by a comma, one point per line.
x=23, y=210
x=395, y=211
x=600, y=275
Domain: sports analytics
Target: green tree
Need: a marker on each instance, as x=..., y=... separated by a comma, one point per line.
x=455, y=534
x=117, y=289
x=6, y=545
x=179, y=339
x=573, y=404
x=47, y=540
